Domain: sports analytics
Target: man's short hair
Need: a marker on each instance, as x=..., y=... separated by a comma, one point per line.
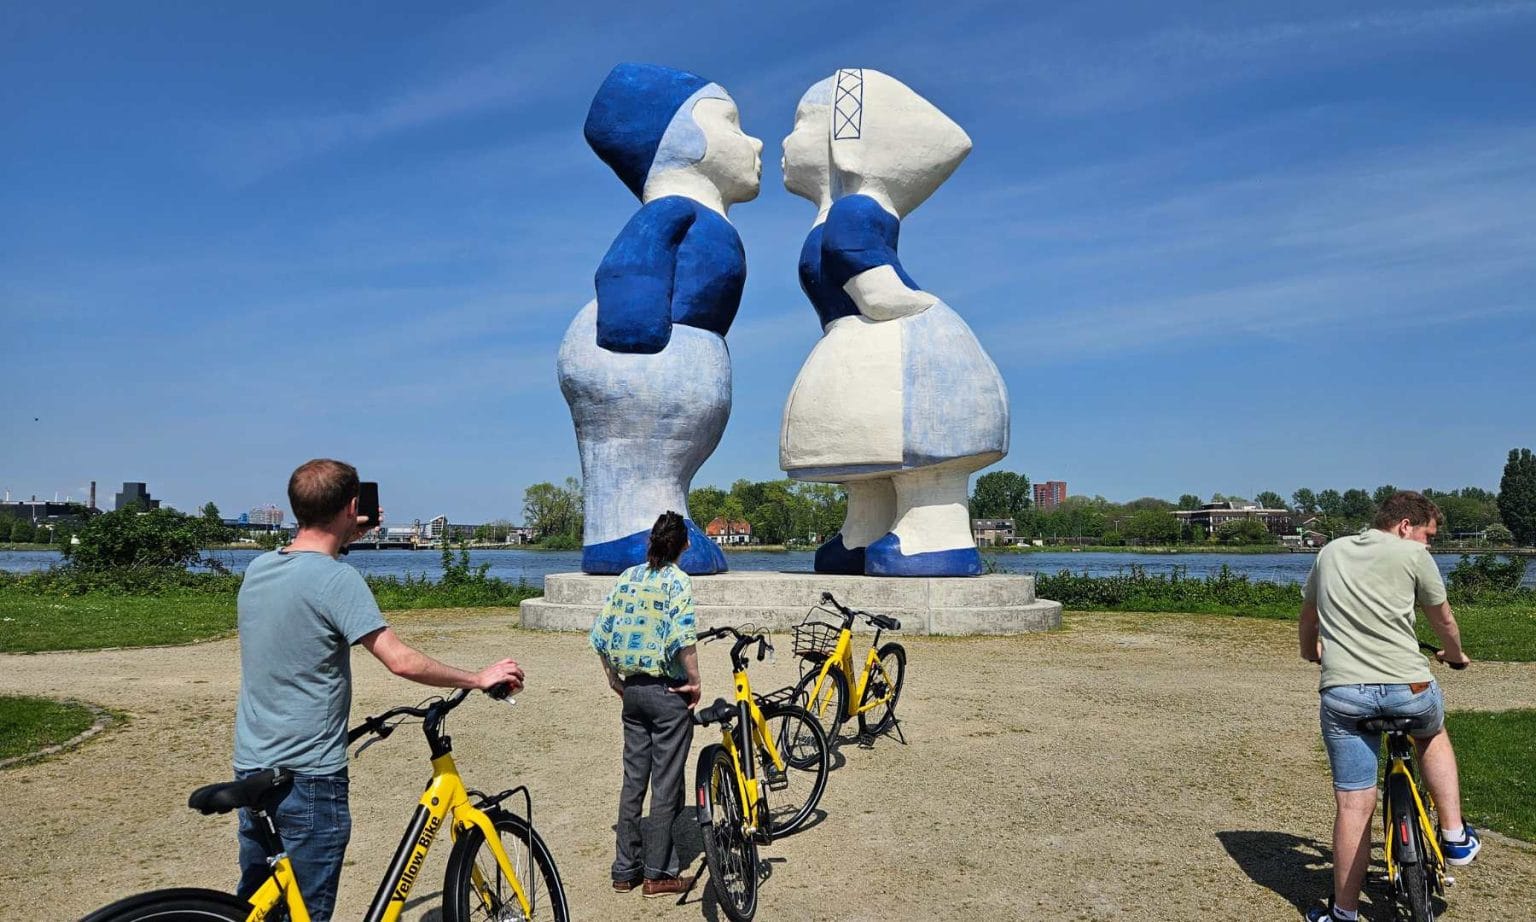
x=1406, y=504
x=320, y=489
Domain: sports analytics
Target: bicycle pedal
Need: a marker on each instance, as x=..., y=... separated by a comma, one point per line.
x=777, y=780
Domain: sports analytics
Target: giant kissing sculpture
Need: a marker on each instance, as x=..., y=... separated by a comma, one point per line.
x=898, y=401
x=644, y=367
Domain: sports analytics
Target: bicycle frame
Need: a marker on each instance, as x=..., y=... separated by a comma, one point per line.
x=749, y=717
x=445, y=795
x=1398, y=765
x=842, y=658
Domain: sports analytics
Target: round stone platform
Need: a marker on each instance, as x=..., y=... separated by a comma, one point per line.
x=992, y=604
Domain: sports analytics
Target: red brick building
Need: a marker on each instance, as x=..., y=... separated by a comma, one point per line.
x=1050, y=494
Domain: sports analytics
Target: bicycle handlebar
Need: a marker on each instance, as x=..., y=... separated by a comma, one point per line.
x=433, y=711
x=1431, y=648
x=743, y=640
x=884, y=622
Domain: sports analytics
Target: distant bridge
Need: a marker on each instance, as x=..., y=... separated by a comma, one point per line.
x=392, y=544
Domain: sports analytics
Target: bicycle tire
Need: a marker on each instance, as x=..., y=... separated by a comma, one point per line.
x=1413, y=874
x=879, y=719
x=729, y=852
x=802, y=744
x=461, y=902
x=181, y=904
x=834, y=696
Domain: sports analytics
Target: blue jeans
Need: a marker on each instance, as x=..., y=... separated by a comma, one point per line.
x=315, y=823
x=1353, y=753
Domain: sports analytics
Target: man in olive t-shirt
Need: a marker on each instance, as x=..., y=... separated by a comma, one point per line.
x=1357, y=621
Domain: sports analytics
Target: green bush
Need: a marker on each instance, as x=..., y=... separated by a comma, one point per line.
x=461, y=586
x=75, y=581
x=561, y=543
x=129, y=539
x=1244, y=531
x=1485, y=576
x=1134, y=589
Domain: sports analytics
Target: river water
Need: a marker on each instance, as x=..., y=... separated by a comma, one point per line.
x=533, y=565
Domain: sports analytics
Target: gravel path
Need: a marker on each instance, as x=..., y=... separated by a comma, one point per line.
x=1126, y=767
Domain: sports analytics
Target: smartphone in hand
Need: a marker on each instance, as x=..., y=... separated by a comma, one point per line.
x=368, y=502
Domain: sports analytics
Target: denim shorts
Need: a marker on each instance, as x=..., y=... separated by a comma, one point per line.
x=1352, y=753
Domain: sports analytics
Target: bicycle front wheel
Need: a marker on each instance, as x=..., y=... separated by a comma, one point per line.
x=475, y=887
x=728, y=850
x=830, y=707
x=882, y=690
x=183, y=904
x=1410, y=851
x=803, y=747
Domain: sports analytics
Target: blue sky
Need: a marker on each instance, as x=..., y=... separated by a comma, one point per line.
x=1227, y=247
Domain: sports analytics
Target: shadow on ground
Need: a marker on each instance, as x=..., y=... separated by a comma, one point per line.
x=1298, y=869
x=1301, y=870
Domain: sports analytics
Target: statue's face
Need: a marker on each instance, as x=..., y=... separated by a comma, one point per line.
x=805, y=163
x=732, y=159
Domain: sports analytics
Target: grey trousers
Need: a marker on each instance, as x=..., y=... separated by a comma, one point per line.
x=658, y=730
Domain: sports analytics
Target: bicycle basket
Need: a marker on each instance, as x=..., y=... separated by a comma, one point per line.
x=816, y=637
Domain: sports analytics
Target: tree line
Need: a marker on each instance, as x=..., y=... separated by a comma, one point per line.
x=1505, y=517
x=778, y=511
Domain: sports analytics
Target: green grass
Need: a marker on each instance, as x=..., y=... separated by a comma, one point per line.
x=34, y=622
x=29, y=724
x=1504, y=631
x=1495, y=752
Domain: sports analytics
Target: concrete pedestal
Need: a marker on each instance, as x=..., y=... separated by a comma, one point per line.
x=993, y=604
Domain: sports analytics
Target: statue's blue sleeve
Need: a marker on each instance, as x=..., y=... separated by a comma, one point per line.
x=635, y=278
x=859, y=236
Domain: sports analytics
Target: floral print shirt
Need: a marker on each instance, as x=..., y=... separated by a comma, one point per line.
x=646, y=622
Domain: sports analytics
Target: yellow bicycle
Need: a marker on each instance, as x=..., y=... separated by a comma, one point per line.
x=824, y=689
x=483, y=880
x=760, y=782
x=1415, y=864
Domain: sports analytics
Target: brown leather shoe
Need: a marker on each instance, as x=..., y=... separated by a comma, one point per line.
x=667, y=886
x=624, y=886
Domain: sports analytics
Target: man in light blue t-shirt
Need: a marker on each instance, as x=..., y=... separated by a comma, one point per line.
x=300, y=611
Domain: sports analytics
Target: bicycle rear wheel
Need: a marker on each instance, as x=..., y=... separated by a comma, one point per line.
x=884, y=686
x=803, y=747
x=475, y=887
x=182, y=904
x=728, y=850
x=1414, y=876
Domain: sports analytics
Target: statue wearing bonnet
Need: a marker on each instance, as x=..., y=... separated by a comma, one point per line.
x=898, y=400
x=644, y=367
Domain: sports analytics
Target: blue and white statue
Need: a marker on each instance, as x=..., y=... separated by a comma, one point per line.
x=898, y=401
x=645, y=367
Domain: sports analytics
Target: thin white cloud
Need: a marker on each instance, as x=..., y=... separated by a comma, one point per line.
x=1410, y=237
x=1054, y=70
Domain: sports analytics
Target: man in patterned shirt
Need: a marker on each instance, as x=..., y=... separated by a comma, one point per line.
x=645, y=638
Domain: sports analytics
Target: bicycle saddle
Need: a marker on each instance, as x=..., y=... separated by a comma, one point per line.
x=1388, y=724
x=719, y=711
x=263, y=790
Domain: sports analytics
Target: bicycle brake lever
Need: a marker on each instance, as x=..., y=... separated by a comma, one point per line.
x=358, y=752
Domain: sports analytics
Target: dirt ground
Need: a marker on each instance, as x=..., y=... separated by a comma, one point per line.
x=1125, y=767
